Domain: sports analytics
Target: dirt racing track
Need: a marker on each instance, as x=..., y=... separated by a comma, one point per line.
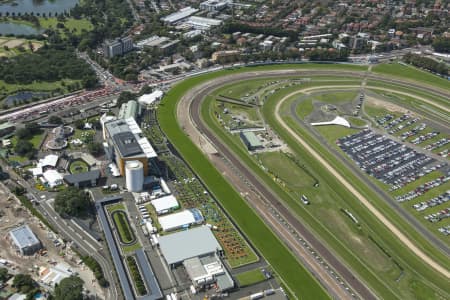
x=193, y=125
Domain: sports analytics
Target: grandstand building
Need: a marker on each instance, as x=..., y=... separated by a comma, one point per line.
x=124, y=142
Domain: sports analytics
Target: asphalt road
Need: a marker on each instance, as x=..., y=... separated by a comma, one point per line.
x=71, y=232
x=194, y=109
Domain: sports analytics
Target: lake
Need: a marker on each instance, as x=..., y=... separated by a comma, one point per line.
x=18, y=29
x=37, y=6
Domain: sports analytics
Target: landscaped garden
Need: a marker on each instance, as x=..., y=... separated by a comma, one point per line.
x=122, y=224
x=78, y=166
x=136, y=275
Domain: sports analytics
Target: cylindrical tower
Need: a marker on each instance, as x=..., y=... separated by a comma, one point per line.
x=134, y=175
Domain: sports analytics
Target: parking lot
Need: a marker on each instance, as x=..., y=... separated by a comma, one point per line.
x=389, y=161
x=412, y=176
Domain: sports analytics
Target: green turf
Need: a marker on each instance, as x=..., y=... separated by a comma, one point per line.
x=175, y=134
x=113, y=207
x=374, y=261
x=356, y=121
x=78, y=166
x=123, y=227
x=332, y=132
x=131, y=248
x=292, y=273
x=412, y=73
x=319, y=196
x=285, y=170
x=250, y=277
x=271, y=110
x=71, y=24
x=335, y=96
x=305, y=108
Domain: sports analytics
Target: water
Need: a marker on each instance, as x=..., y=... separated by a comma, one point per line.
x=18, y=29
x=37, y=6
x=21, y=96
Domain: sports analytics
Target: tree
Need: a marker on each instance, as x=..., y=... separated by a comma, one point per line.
x=22, y=133
x=95, y=148
x=55, y=120
x=23, y=282
x=33, y=128
x=442, y=45
x=70, y=288
x=71, y=202
x=24, y=148
x=125, y=97
x=4, y=274
x=79, y=124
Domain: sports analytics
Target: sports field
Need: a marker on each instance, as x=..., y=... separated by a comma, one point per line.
x=364, y=248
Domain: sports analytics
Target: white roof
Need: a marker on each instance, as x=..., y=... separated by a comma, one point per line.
x=36, y=171
x=114, y=170
x=50, y=160
x=56, y=274
x=134, y=127
x=147, y=147
x=179, y=15
x=18, y=296
x=337, y=121
x=164, y=203
x=148, y=99
x=177, y=220
x=186, y=244
x=53, y=178
x=202, y=21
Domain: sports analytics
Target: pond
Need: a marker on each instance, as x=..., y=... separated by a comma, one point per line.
x=22, y=96
x=37, y=6
x=18, y=29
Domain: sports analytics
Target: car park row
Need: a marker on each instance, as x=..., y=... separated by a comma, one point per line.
x=389, y=161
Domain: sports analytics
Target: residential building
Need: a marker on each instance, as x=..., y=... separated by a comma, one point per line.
x=118, y=47
x=225, y=55
x=214, y=5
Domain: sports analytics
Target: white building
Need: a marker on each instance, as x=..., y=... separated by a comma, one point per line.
x=214, y=5
x=165, y=204
x=149, y=99
x=179, y=15
x=182, y=219
x=202, y=23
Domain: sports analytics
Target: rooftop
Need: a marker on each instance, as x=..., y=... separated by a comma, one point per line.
x=252, y=139
x=128, y=110
x=23, y=237
x=163, y=204
x=127, y=144
x=148, y=99
x=186, y=244
x=6, y=125
x=81, y=177
x=179, y=15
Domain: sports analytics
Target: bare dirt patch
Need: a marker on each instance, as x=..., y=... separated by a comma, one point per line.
x=377, y=102
x=36, y=46
x=14, y=43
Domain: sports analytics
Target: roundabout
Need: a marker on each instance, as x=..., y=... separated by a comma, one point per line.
x=363, y=261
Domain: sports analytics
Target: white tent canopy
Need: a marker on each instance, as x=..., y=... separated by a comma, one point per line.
x=53, y=178
x=165, y=204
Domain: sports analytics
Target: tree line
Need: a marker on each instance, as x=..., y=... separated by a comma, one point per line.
x=426, y=63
